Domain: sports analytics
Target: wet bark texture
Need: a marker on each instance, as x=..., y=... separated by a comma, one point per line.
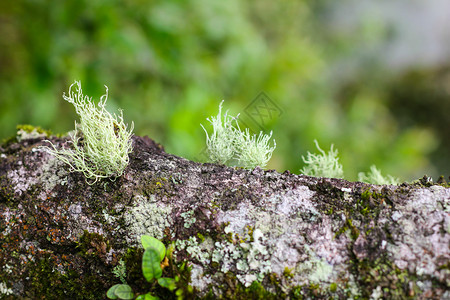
x=242, y=234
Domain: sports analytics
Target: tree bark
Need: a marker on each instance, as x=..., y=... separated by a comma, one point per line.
x=236, y=234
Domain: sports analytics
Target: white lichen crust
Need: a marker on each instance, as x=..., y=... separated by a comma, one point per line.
x=268, y=241
x=287, y=232
x=147, y=217
x=421, y=251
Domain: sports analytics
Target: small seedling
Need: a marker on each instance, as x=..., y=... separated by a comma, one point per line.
x=154, y=261
x=323, y=165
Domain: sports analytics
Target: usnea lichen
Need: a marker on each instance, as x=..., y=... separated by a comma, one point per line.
x=100, y=143
x=220, y=144
x=254, y=150
x=375, y=177
x=323, y=165
x=228, y=142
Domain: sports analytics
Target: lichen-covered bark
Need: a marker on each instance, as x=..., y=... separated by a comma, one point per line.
x=245, y=234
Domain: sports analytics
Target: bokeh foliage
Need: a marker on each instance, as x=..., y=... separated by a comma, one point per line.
x=169, y=63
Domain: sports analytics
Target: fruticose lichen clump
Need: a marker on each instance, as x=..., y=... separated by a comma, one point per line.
x=228, y=142
x=323, y=165
x=375, y=177
x=101, y=141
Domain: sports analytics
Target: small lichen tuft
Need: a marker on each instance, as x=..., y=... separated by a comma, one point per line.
x=101, y=141
x=375, y=177
x=323, y=165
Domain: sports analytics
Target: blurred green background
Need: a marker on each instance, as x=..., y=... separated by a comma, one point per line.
x=372, y=77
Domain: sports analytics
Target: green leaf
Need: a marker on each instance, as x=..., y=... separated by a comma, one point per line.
x=124, y=291
x=111, y=292
x=149, y=241
x=120, y=291
x=179, y=293
x=151, y=264
x=147, y=296
x=168, y=283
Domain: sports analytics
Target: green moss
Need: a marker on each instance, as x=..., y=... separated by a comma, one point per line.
x=51, y=284
x=92, y=244
x=394, y=283
x=30, y=129
x=311, y=291
x=25, y=132
x=200, y=237
x=6, y=192
x=333, y=287
x=354, y=232
x=445, y=266
x=236, y=291
x=370, y=203
x=133, y=264
x=426, y=182
x=442, y=182
x=8, y=141
x=159, y=187
x=288, y=273
x=258, y=290
x=296, y=293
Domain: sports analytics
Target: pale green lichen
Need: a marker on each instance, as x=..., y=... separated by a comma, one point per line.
x=198, y=251
x=101, y=141
x=252, y=150
x=228, y=142
x=220, y=144
x=4, y=290
x=377, y=293
x=149, y=217
x=375, y=177
x=323, y=165
x=319, y=270
x=249, y=260
x=189, y=220
x=53, y=174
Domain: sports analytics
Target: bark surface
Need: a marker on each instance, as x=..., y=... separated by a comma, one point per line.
x=236, y=234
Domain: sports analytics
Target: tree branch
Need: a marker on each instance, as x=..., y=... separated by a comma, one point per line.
x=243, y=233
